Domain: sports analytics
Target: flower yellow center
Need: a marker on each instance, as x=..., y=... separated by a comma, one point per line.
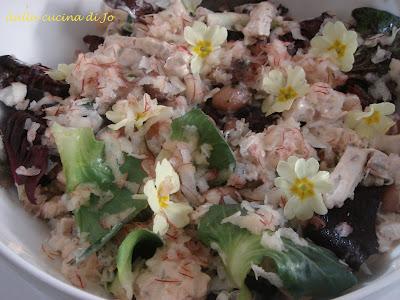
x=338, y=47
x=302, y=188
x=373, y=119
x=163, y=200
x=286, y=93
x=203, y=48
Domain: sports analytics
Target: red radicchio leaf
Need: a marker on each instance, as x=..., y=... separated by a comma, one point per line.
x=360, y=214
x=37, y=81
x=21, y=153
x=93, y=41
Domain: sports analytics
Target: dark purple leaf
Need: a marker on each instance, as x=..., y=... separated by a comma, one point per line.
x=21, y=153
x=256, y=118
x=93, y=41
x=223, y=5
x=37, y=81
x=309, y=28
x=358, y=87
x=360, y=214
x=293, y=45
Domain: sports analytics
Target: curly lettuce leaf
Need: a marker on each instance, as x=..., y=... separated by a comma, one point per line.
x=373, y=21
x=221, y=157
x=237, y=247
x=140, y=243
x=81, y=156
x=304, y=270
x=82, y=159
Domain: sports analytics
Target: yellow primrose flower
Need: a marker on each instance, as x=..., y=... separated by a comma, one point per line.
x=62, y=72
x=283, y=89
x=336, y=43
x=204, y=40
x=132, y=113
x=158, y=193
x=373, y=121
x=303, y=184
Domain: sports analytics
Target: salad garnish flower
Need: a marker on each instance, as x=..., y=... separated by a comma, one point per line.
x=336, y=43
x=132, y=113
x=283, y=88
x=191, y=5
x=373, y=121
x=62, y=71
x=203, y=40
x=159, y=193
x=303, y=184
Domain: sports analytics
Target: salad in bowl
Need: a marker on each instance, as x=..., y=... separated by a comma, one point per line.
x=212, y=150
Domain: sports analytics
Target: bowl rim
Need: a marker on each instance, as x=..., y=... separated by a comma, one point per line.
x=41, y=275
x=374, y=286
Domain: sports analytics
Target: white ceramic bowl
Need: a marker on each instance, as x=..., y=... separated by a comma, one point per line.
x=21, y=235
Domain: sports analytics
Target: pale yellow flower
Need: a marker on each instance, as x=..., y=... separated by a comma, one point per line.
x=203, y=40
x=191, y=5
x=283, y=89
x=303, y=184
x=373, y=121
x=132, y=113
x=336, y=43
x=158, y=193
x=62, y=71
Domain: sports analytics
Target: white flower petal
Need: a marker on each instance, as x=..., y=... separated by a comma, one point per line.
x=196, y=64
x=322, y=183
x=191, y=36
x=318, y=205
x=200, y=28
x=329, y=31
x=166, y=177
x=291, y=208
x=350, y=39
x=319, y=45
x=306, y=210
x=281, y=106
x=286, y=171
x=282, y=183
x=118, y=125
x=301, y=168
x=385, y=108
x=312, y=167
x=160, y=224
x=273, y=82
x=178, y=214
x=292, y=161
x=152, y=196
x=217, y=35
x=295, y=76
x=346, y=63
x=339, y=30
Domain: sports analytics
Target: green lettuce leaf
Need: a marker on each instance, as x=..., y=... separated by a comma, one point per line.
x=81, y=156
x=90, y=216
x=221, y=157
x=304, y=270
x=140, y=243
x=132, y=166
x=373, y=21
x=237, y=247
